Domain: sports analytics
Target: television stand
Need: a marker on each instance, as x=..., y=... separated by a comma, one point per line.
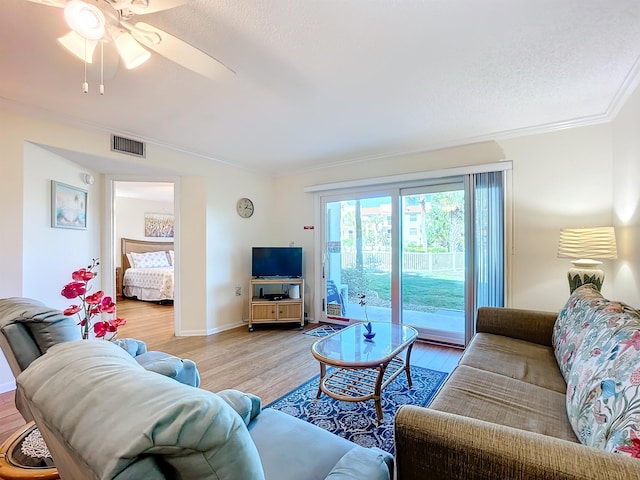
x=285, y=310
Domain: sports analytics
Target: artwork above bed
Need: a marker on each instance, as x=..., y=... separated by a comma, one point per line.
x=147, y=268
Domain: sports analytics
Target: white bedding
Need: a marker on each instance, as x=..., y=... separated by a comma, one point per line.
x=152, y=284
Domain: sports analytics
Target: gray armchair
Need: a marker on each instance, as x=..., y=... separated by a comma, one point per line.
x=28, y=328
x=153, y=428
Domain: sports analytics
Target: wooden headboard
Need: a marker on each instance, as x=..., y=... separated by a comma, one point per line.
x=141, y=246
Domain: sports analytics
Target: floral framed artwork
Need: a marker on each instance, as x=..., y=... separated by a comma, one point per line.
x=68, y=206
x=158, y=225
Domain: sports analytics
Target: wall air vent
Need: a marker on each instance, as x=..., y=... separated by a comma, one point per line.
x=126, y=145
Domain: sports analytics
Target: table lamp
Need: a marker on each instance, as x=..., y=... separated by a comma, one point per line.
x=587, y=246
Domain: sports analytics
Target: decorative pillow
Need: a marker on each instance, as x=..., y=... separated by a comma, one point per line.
x=170, y=253
x=150, y=260
x=603, y=388
x=572, y=324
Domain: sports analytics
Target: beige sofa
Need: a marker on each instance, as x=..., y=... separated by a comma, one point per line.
x=525, y=385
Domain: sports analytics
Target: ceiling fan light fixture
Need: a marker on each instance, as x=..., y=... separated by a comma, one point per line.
x=85, y=19
x=131, y=52
x=79, y=46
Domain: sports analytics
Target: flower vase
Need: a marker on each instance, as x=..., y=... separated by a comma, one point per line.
x=369, y=334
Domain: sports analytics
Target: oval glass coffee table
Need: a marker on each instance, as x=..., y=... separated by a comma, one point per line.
x=363, y=368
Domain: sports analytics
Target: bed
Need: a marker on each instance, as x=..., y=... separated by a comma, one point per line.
x=147, y=270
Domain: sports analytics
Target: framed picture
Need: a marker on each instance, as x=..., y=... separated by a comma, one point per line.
x=68, y=206
x=158, y=225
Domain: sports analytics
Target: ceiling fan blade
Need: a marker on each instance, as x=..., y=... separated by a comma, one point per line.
x=140, y=7
x=50, y=3
x=178, y=51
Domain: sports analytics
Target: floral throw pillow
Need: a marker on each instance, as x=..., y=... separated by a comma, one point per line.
x=603, y=389
x=150, y=260
x=572, y=324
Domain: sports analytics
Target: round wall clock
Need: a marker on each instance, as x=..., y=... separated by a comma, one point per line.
x=244, y=207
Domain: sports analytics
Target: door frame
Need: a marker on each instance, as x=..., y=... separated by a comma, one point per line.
x=109, y=240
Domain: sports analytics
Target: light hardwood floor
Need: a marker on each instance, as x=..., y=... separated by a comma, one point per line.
x=269, y=362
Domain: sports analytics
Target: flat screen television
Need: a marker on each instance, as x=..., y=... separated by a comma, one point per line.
x=276, y=262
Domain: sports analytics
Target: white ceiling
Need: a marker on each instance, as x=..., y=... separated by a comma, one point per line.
x=326, y=81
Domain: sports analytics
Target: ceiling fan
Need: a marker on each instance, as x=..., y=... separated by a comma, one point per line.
x=94, y=22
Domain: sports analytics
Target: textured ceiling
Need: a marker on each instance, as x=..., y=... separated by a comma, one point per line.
x=321, y=82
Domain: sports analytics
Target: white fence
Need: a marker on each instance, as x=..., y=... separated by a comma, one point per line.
x=411, y=262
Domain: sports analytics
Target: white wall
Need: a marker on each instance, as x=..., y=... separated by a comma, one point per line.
x=626, y=200
x=52, y=254
x=560, y=179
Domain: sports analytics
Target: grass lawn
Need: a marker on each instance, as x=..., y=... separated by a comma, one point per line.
x=421, y=290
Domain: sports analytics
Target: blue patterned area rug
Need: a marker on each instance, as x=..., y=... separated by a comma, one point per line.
x=356, y=421
x=323, y=330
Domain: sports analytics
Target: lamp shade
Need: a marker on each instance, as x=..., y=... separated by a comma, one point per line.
x=79, y=46
x=131, y=52
x=587, y=243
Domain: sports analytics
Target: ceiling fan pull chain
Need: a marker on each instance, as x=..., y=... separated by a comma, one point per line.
x=85, y=85
x=101, y=68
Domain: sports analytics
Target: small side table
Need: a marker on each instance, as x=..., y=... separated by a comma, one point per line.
x=14, y=465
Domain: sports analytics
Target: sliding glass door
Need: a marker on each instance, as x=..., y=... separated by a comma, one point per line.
x=358, y=258
x=432, y=270
x=425, y=254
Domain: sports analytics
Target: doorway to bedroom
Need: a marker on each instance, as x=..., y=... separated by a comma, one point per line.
x=143, y=219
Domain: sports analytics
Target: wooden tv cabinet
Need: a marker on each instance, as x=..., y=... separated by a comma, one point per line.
x=265, y=310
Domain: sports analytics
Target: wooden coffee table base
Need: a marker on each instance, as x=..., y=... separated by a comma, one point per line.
x=361, y=384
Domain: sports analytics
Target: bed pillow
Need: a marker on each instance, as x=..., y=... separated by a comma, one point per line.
x=170, y=254
x=150, y=260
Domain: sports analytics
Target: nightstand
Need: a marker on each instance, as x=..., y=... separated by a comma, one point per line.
x=119, y=283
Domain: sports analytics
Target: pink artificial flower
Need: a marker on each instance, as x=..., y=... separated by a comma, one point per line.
x=91, y=305
x=103, y=327
x=100, y=329
x=107, y=305
x=82, y=275
x=95, y=298
x=72, y=309
x=117, y=322
x=74, y=290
